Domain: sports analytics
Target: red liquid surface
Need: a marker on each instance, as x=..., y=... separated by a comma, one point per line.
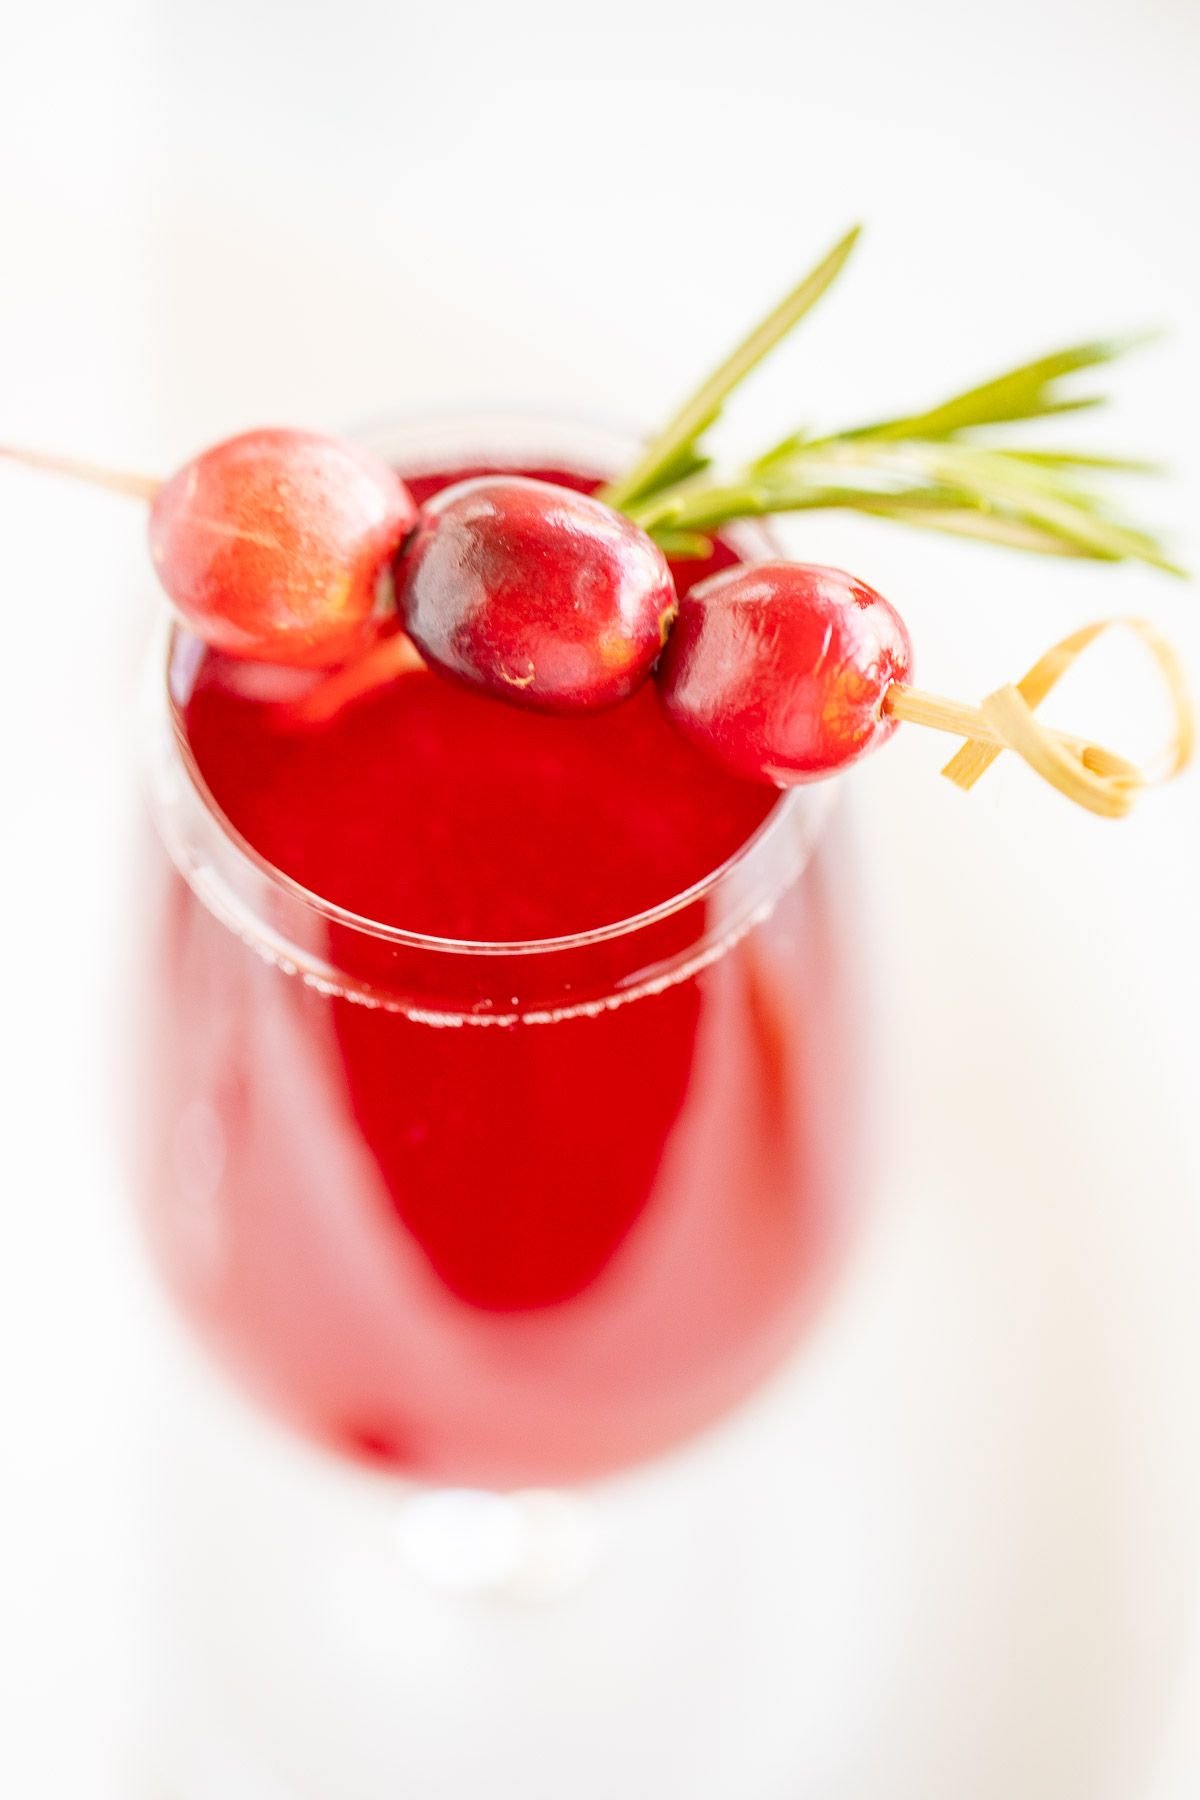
x=508, y=1253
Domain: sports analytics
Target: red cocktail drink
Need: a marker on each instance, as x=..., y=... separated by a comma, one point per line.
x=503, y=1105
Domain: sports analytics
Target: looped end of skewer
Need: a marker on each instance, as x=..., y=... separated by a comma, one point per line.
x=1089, y=774
x=1086, y=773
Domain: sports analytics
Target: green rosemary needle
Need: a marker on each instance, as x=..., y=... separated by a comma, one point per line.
x=930, y=469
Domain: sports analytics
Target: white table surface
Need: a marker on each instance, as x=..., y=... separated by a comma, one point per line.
x=217, y=216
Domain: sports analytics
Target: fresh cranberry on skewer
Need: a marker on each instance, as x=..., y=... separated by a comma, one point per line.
x=535, y=593
x=781, y=669
x=279, y=545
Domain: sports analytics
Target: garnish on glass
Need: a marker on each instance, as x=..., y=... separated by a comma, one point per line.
x=297, y=548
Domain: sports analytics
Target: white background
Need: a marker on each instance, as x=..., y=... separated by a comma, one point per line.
x=217, y=216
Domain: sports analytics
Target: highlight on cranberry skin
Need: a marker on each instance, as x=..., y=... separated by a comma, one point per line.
x=535, y=593
x=278, y=545
x=780, y=669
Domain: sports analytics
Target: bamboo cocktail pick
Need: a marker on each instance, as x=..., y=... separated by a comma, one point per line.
x=1087, y=773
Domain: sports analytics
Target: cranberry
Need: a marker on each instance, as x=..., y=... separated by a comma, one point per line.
x=279, y=545
x=535, y=593
x=780, y=669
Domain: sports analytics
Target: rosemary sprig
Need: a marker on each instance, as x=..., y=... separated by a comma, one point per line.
x=677, y=443
x=931, y=469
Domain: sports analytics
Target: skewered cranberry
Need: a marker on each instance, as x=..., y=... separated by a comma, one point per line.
x=279, y=545
x=535, y=593
x=780, y=669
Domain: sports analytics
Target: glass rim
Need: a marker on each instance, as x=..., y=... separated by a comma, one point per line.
x=815, y=800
